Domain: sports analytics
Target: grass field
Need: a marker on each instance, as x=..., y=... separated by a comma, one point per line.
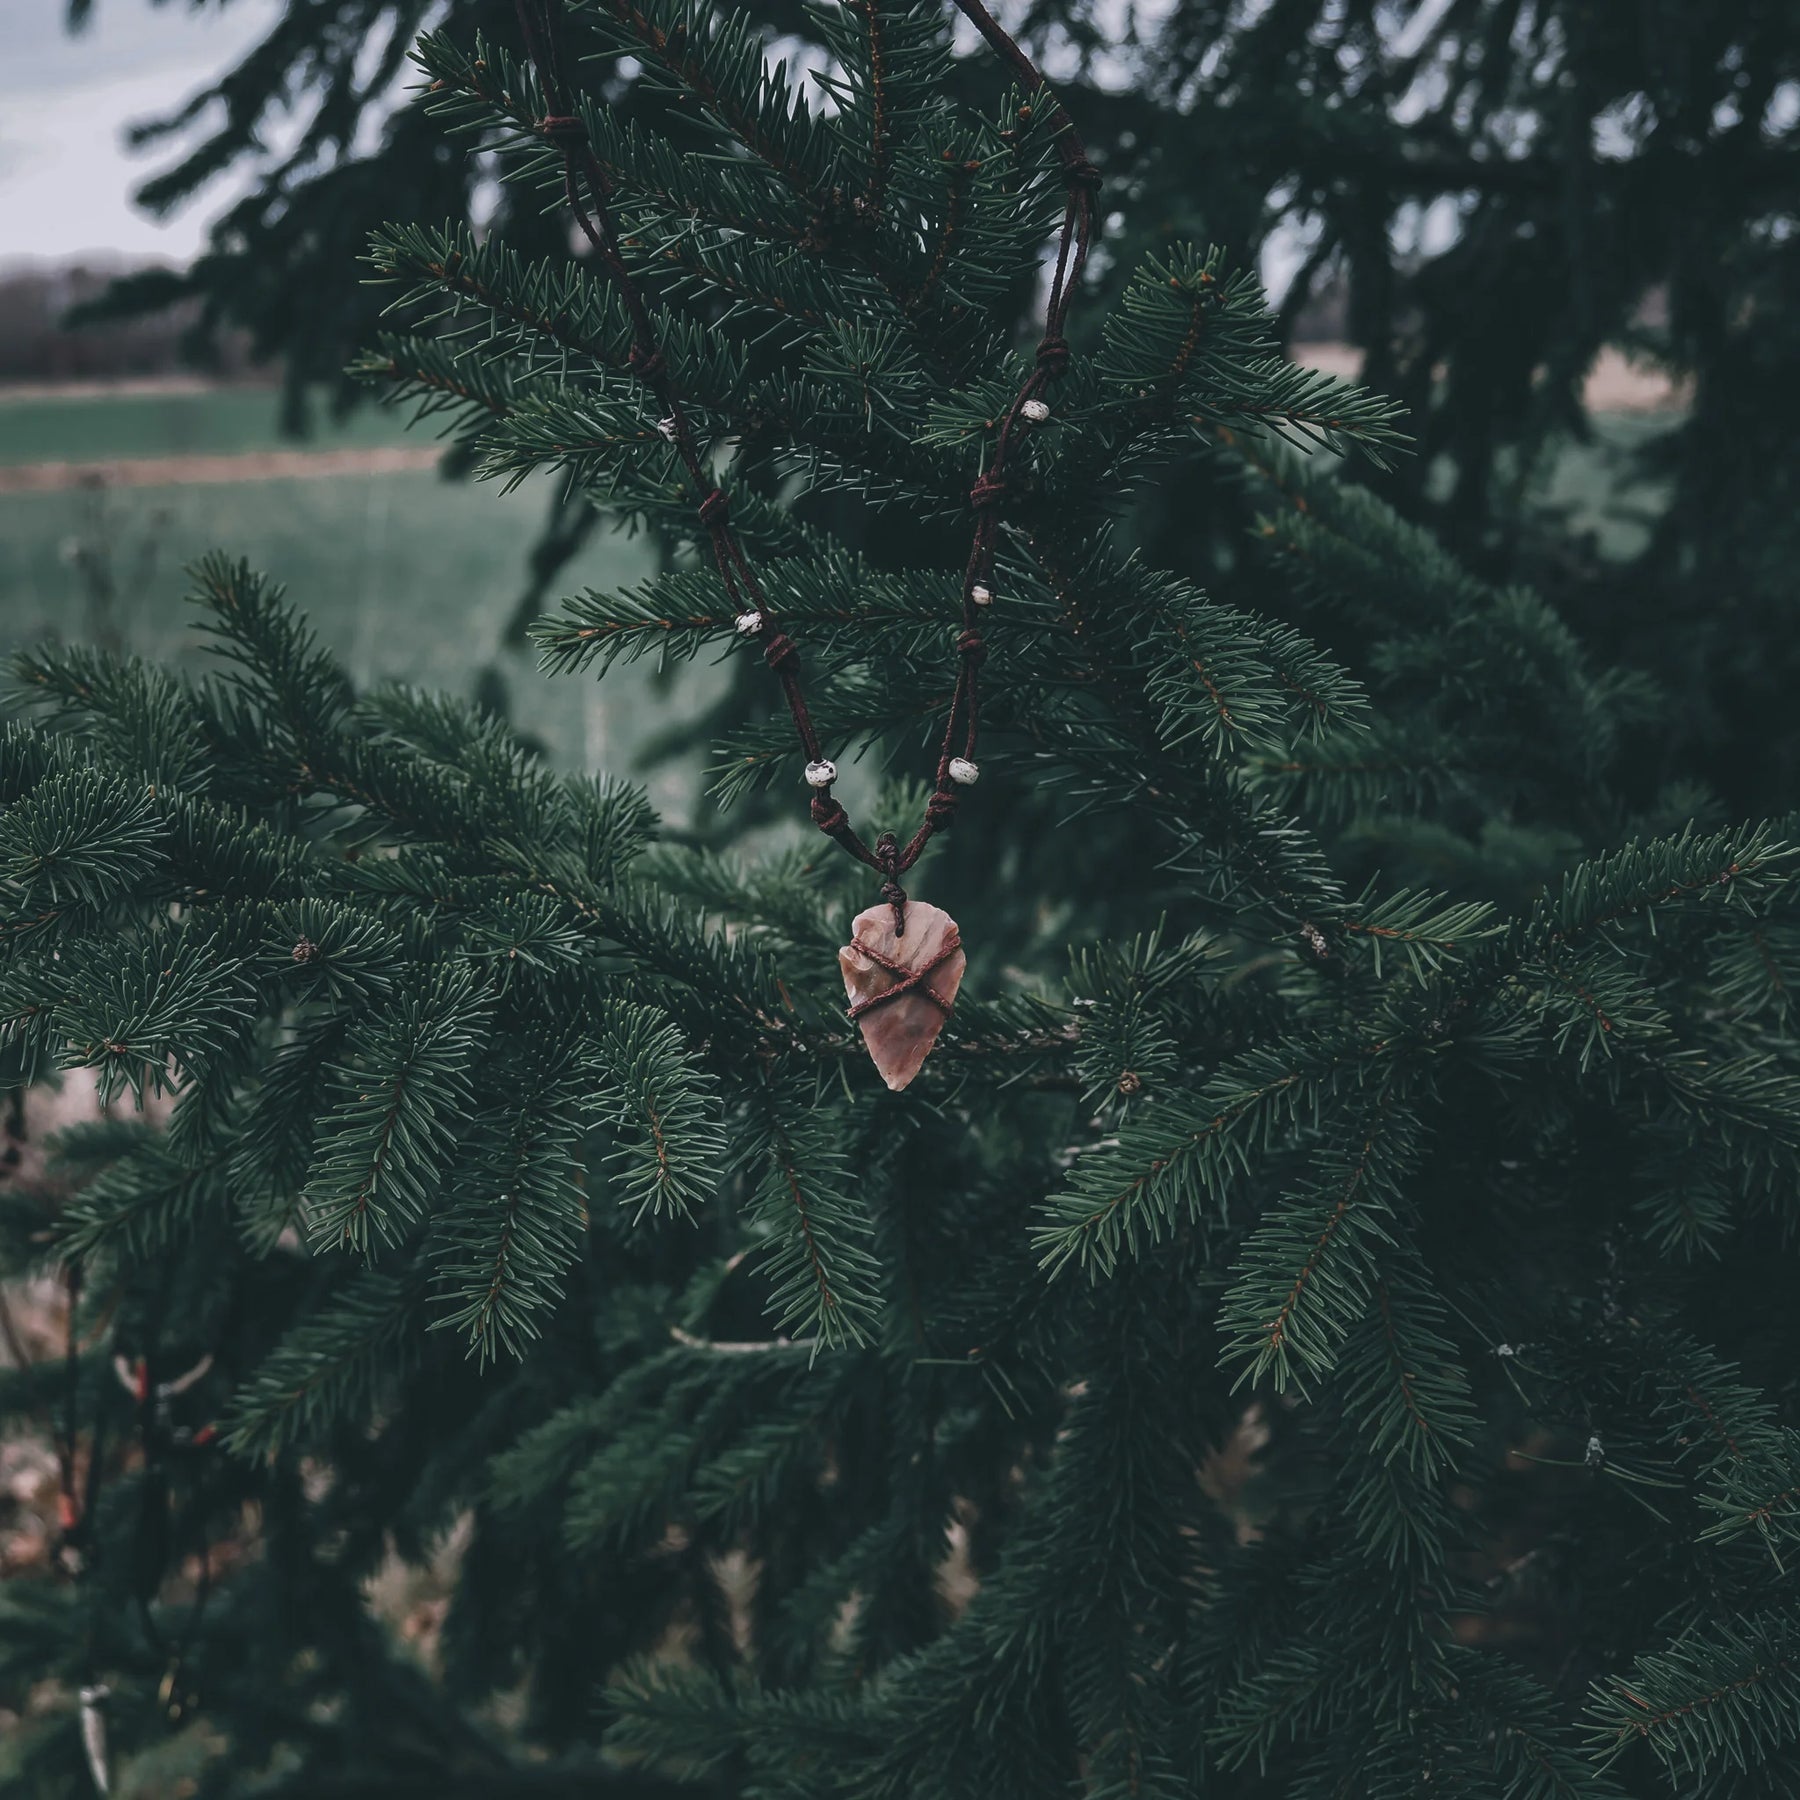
x=405, y=576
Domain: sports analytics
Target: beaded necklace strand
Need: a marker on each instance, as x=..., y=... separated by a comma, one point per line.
x=589, y=191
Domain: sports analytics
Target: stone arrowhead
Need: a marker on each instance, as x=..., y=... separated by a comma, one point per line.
x=926, y=964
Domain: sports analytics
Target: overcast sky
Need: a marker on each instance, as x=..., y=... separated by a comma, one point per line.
x=65, y=175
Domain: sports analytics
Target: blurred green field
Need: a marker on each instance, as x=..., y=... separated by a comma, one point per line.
x=84, y=426
x=406, y=576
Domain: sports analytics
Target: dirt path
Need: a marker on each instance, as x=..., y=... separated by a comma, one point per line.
x=192, y=471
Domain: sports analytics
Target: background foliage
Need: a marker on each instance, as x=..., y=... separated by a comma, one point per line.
x=1308, y=1332
x=1494, y=189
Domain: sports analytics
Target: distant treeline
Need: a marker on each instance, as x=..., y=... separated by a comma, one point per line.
x=37, y=343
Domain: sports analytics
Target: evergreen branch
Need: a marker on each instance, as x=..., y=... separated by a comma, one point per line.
x=516, y=1212
x=1737, y=867
x=385, y=1146
x=150, y=1013
x=326, y=1368
x=140, y=1206
x=714, y=58
x=79, y=840
x=276, y=661
x=1758, y=1493
x=817, y=1261
x=1721, y=1695
x=670, y=1159
x=143, y=718
x=1423, y=929
x=1313, y=1266
x=1185, y=1155
x=688, y=1413
x=490, y=91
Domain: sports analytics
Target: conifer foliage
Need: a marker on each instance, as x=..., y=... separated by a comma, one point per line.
x=1313, y=1329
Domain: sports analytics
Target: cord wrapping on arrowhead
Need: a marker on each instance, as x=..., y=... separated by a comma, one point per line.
x=912, y=981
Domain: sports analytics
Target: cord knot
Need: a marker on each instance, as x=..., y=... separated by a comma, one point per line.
x=562, y=128
x=827, y=814
x=972, y=645
x=989, y=490
x=887, y=859
x=940, y=809
x=715, y=509
x=647, y=365
x=779, y=652
x=1079, y=172
x=1053, y=355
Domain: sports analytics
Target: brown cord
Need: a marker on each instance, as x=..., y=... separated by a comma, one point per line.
x=887, y=854
x=540, y=24
x=650, y=367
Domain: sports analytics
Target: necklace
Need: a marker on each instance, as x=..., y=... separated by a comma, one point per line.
x=905, y=960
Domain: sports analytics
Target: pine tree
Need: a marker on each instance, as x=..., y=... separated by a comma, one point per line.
x=1620, y=177
x=1307, y=1331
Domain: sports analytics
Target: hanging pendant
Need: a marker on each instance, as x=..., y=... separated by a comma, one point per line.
x=901, y=987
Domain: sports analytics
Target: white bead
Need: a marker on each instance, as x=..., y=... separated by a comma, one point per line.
x=821, y=774
x=963, y=772
x=667, y=428
x=1035, y=411
x=981, y=596
x=749, y=623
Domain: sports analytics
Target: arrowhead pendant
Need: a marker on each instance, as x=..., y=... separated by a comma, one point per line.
x=901, y=989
